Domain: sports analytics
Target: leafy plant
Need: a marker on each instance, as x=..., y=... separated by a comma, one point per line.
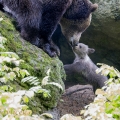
x=9, y=67
x=35, y=81
x=112, y=72
x=12, y=109
x=107, y=103
x=37, y=86
x=2, y=42
x=14, y=104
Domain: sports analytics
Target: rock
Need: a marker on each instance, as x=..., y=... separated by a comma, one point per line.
x=37, y=63
x=55, y=113
x=75, y=98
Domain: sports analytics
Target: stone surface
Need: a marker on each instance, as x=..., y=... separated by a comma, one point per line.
x=75, y=98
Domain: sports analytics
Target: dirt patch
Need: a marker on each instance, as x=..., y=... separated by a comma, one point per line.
x=75, y=98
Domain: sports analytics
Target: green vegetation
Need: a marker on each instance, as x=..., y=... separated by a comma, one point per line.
x=23, y=95
x=15, y=100
x=36, y=62
x=106, y=105
x=27, y=88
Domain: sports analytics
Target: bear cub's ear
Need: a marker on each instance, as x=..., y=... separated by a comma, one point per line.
x=94, y=7
x=91, y=50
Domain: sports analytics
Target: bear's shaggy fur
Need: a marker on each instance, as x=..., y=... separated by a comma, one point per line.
x=38, y=19
x=84, y=66
x=77, y=19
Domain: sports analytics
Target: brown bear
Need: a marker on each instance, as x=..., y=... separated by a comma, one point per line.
x=77, y=19
x=84, y=66
x=38, y=19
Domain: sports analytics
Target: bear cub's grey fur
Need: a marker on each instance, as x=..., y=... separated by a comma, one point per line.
x=84, y=66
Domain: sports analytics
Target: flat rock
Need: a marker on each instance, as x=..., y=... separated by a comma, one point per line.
x=75, y=98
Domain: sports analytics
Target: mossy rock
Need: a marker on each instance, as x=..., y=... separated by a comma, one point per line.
x=37, y=62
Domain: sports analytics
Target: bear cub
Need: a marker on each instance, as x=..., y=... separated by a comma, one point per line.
x=84, y=66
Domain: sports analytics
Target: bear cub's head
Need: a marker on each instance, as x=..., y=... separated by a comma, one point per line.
x=81, y=50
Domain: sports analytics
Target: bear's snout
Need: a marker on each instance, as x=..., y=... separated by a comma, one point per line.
x=75, y=44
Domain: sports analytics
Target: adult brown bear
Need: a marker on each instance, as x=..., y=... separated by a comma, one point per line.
x=38, y=19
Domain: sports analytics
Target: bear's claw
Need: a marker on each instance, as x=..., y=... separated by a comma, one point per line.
x=51, y=49
x=55, y=48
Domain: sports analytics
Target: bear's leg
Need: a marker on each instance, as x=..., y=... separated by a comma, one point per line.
x=51, y=16
x=1, y=7
x=51, y=49
x=31, y=35
x=46, y=33
x=29, y=20
x=34, y=38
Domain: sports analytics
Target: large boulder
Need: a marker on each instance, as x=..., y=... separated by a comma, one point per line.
x=37, y=63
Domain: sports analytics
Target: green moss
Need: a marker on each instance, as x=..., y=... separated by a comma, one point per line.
x=37, y=62
x=7, y=29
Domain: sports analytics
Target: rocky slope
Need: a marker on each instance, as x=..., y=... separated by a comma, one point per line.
x=37, y=63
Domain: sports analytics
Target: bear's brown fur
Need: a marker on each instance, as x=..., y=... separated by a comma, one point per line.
x=38, y=19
